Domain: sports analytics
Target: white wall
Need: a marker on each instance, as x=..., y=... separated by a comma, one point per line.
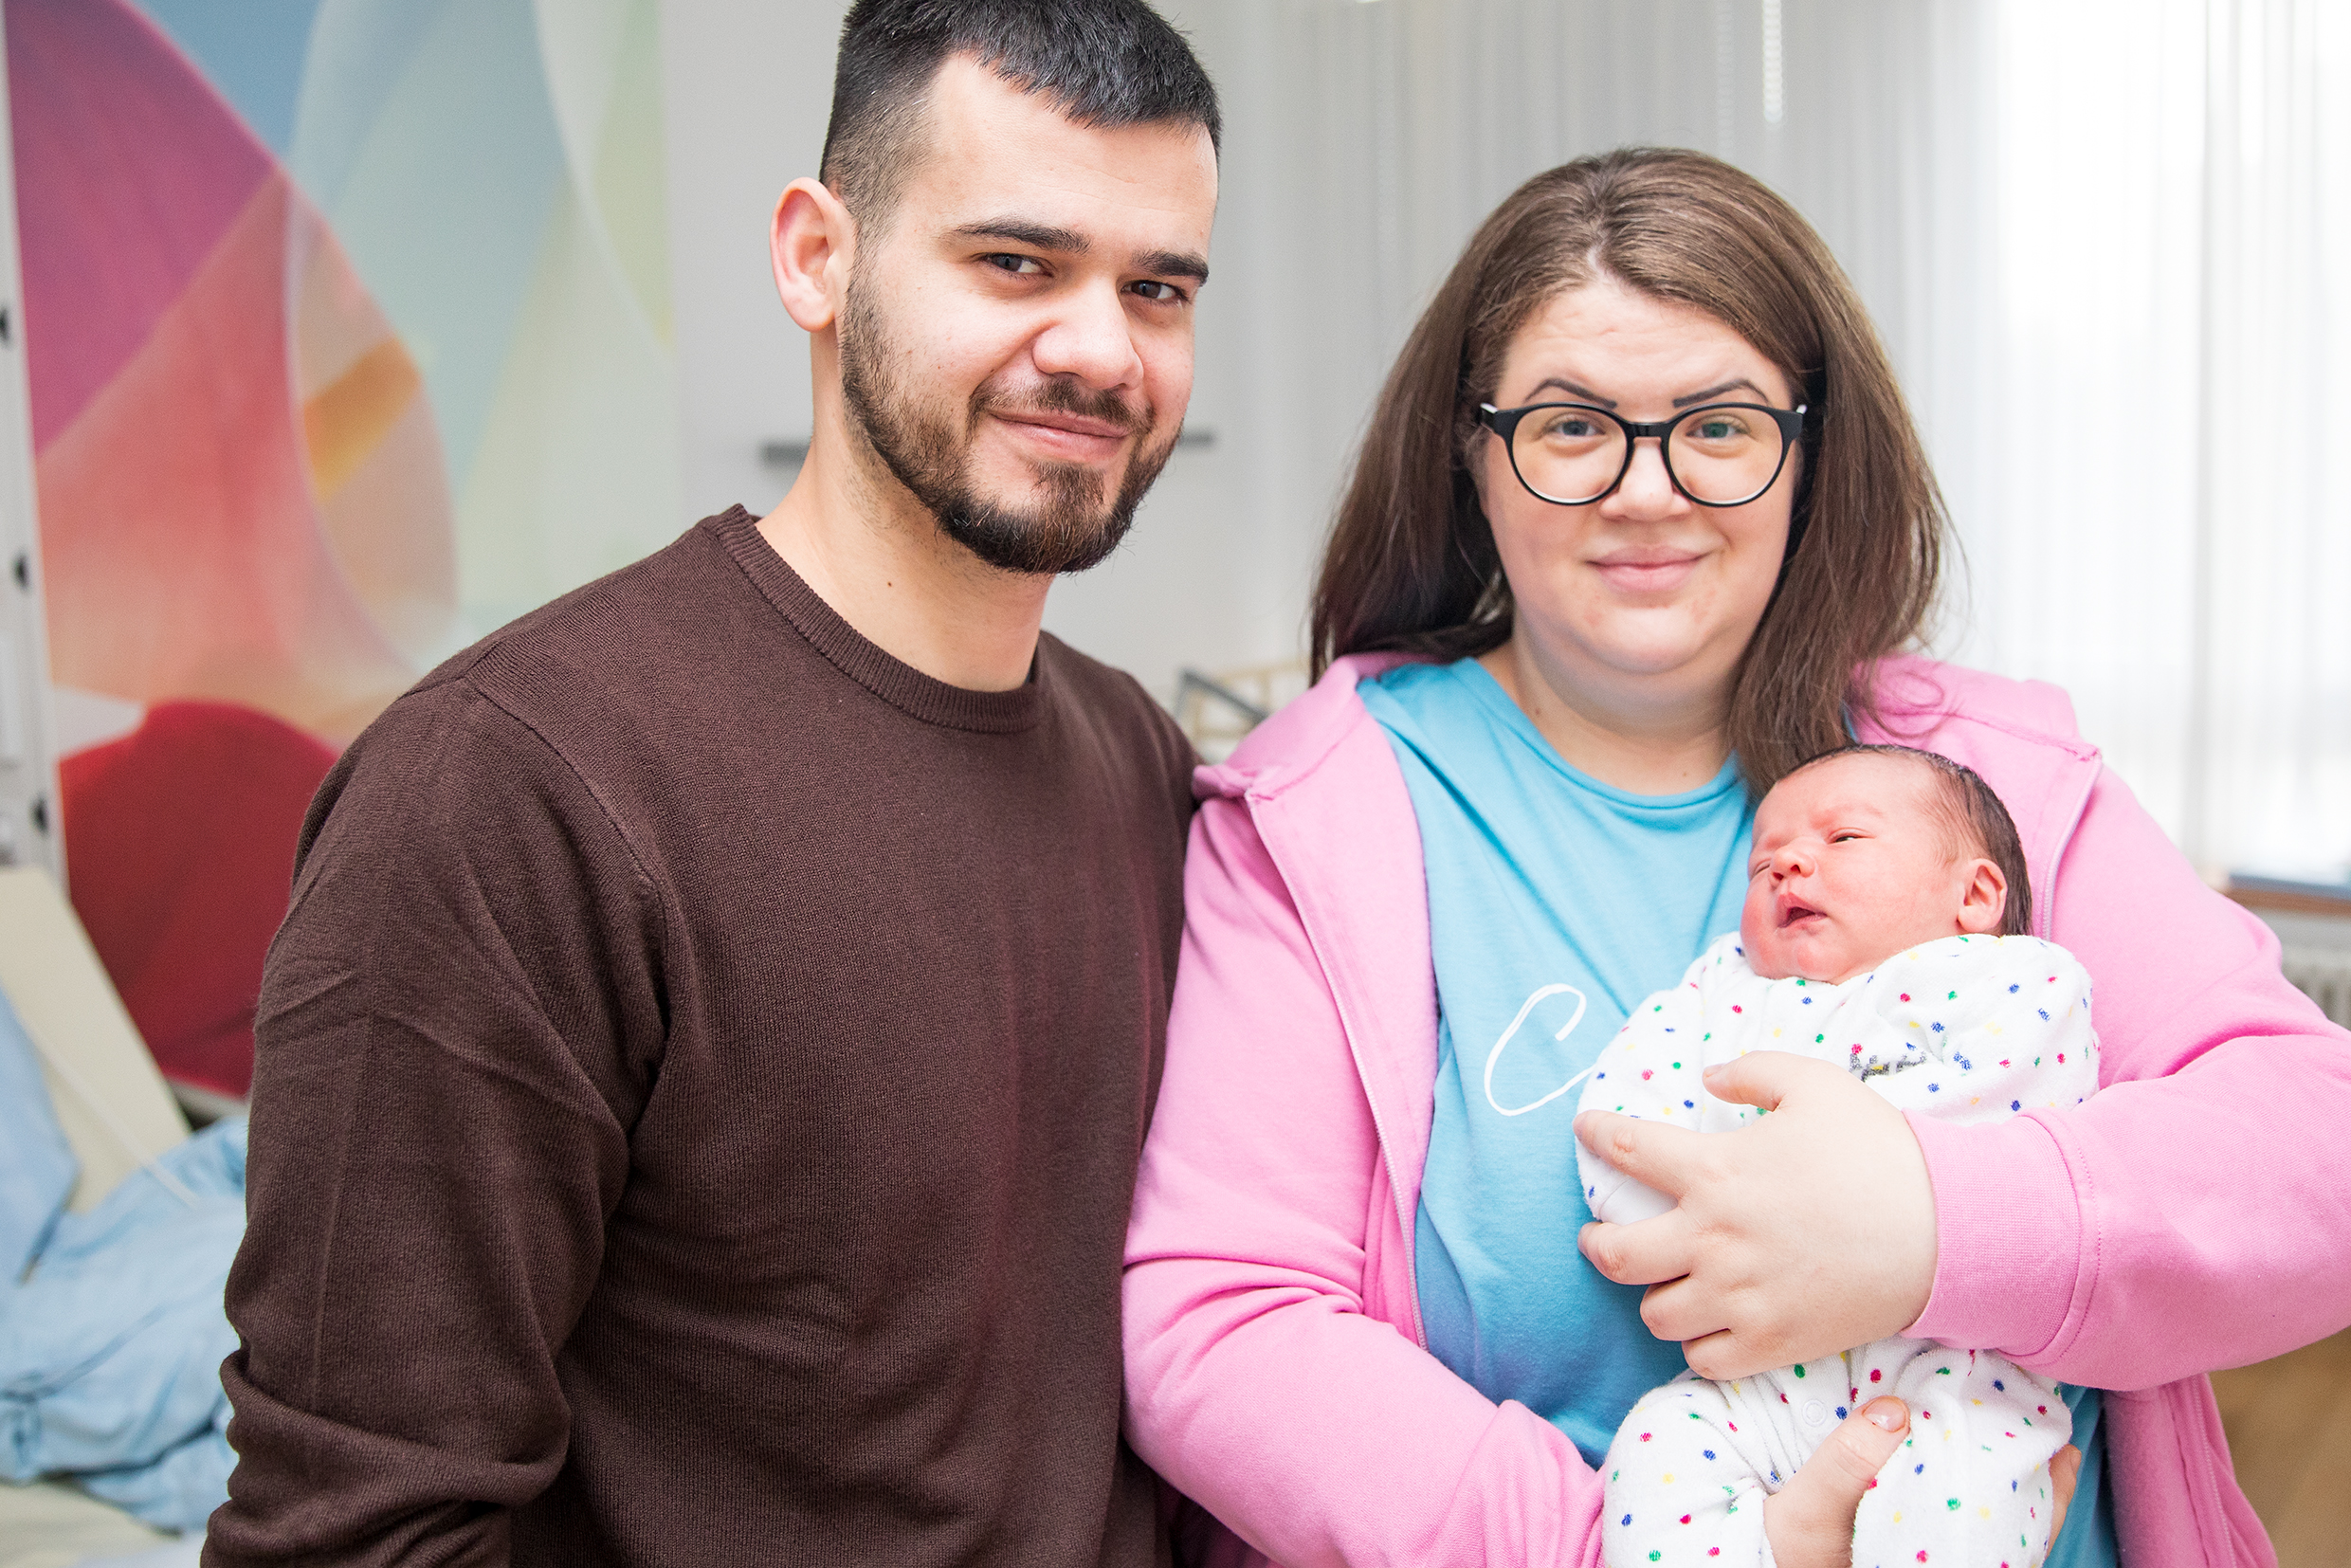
x=749, y=84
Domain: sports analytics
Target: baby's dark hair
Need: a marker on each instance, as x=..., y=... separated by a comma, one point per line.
x=1974, y=819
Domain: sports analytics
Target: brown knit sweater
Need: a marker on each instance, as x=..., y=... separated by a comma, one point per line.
x=698, y=1091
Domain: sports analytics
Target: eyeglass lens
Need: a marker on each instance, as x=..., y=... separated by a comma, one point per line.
x=1721, y=455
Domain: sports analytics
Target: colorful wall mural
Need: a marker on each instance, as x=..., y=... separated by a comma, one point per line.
x=348, y=331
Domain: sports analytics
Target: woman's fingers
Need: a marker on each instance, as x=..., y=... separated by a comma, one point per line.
x=2065, y=1469
x=1649, y=1152
x=1759, y=1078
x=1655, y=1250
x=1809, y=1521
x=1805, y=1233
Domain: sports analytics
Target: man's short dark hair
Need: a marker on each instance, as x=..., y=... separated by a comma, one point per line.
x=1101, y=62
x=1975, y=821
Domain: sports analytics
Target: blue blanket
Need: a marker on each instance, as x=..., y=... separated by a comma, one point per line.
x=111, y=1343
x=37, y=1168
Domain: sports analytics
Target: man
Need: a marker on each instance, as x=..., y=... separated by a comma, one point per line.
x=700, y=1077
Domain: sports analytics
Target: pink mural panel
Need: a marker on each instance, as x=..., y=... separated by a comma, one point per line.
x=245, y=516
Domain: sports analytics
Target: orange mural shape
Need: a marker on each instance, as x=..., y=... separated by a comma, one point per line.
x=184, y=553
x=377, y=476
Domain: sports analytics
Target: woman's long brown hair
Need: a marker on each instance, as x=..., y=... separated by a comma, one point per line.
x=1411, y=564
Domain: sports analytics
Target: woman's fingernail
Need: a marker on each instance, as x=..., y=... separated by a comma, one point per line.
x=1887, y=1415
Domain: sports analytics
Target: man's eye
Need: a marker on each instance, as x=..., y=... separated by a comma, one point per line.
x=1154, y=290
x=1021, y=265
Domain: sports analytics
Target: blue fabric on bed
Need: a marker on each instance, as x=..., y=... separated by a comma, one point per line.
x=37, y=1166
x=110, y=1353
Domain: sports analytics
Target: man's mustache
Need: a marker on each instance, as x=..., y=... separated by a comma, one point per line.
x=1062, y=394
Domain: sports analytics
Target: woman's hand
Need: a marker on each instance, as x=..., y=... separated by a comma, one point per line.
x=1803, y=1235
x=1809, y=1521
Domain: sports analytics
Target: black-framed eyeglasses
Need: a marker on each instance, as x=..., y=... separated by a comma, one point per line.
x=1573, y=454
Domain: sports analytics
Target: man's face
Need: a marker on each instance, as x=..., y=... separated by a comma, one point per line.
x=1016, y=341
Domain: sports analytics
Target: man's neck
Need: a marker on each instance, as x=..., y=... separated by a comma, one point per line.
x=870, y=550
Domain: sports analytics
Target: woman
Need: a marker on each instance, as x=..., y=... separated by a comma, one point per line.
x=1640, y=523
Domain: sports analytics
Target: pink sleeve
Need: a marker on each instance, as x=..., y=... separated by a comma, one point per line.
x=1257, y=1381
x=2195, y=1213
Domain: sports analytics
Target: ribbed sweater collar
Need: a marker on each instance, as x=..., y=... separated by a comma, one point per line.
x=894, y=681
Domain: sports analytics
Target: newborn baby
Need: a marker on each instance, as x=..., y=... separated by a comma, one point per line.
x=1884, y=930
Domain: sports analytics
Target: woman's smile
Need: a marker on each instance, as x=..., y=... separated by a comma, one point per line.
x=1649, y=570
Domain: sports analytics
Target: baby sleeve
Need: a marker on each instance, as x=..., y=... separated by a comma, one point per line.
x=1976, y=1029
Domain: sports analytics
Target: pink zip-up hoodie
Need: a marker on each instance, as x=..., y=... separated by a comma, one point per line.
x=2195, y=1213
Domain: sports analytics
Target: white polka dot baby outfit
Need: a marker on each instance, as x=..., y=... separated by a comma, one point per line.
x=1965, y=1029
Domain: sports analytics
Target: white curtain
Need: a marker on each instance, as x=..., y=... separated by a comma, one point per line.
x=2271, y=753
x=2096, y=238
x=2153, y=485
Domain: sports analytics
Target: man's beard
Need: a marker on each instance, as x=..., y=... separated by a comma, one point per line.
x=1067, y=527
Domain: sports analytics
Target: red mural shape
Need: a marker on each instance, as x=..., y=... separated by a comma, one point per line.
x=181, y=854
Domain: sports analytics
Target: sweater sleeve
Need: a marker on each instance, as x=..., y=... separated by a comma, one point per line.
x=1258, y=1383
x=2192, y=1215
x=458, y=1023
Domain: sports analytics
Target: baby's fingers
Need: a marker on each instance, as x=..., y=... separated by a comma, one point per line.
x=1766, y=1078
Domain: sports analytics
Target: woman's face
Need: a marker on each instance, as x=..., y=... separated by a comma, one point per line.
x=1641, y=599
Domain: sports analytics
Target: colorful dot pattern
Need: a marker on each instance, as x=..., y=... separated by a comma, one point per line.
x=1691, y=1465
x=1965, y=1029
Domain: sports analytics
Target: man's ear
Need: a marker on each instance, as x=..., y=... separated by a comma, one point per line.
x=812, y=245
x=1987, y=898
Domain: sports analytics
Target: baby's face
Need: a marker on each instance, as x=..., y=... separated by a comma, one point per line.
x=1851, y=867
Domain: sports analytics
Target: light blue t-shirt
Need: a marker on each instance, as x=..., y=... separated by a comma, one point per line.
x=1551, y=888
x=1556, y=903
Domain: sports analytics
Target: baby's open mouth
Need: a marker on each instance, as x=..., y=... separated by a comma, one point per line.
x=1790, y=912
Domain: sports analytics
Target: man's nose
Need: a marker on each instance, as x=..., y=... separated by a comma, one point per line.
x=1091, y=338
